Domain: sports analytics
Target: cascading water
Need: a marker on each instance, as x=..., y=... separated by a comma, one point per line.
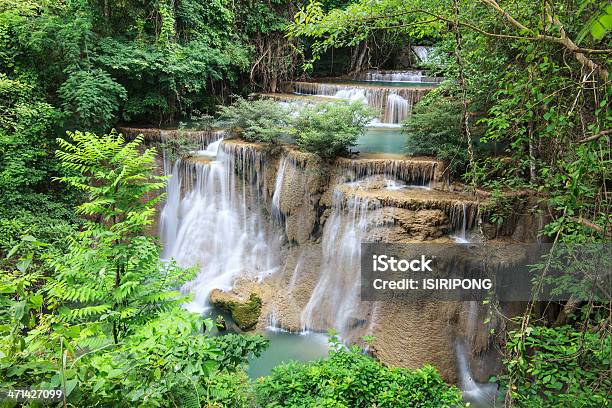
x=421, y=52
x=334, y=302
x=479, y=395
x=296, y=274
x=391, y=76
x=169, y=216
x=397, y=109
x=412, y=172
x=213, y=220
x=395, y=103
x=278, y=185
x=211, y=150
x=461, y=236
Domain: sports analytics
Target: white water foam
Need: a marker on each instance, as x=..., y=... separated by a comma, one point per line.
x=334, y=302
x=216, y=225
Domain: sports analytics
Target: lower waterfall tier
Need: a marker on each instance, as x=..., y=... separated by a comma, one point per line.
x=284, y=227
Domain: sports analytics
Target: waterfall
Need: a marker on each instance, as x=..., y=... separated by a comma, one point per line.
x=296, y=274
x=412, y=172
x=169, y=217
x=211, y=150
x=421, y=52
x=278, y=185
x=395, y=103
x=213, y=219
x=397, y=109
x=391, y=76
x=461, y=237
x=334, y=302
x=272, y=321
x=479, y=395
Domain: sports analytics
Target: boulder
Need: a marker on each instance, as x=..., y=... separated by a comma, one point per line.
x=245, y=312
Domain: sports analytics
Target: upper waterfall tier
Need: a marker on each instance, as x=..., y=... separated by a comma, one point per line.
x=422, y=52
x=292, y=97
x=397, y=76
x=394, y=102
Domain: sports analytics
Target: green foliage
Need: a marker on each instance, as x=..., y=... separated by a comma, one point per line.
x=110, y=268
x=27, y=137
x=434, y=129
x=92, y=98
x=116, y=177
x=575, y=190
x=331, y=129
x=259, y=120
x=559, y=367
x=224, y=390
x=349, y=378
x=153, y=62
x=164, y=359
x=26, y=159
x=103, y=321
x=600, y=24
x=359, y=21
x=235, y=349
x=50, y=230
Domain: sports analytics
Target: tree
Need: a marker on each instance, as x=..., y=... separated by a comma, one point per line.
x=331, y=129
x=259, y=120
x=112, y=270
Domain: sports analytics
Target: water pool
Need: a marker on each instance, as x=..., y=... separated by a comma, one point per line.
x=285, y=347
x=382, y=140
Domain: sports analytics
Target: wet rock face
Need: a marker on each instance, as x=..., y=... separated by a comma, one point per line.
x=412, y=334
x=245, y=312
x=298, y=188
x=422, y=225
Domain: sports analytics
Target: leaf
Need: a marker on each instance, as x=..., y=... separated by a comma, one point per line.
x=598, y=31
x=20, y=308
x=70, y=385
x=36, y=301
x=24, y=264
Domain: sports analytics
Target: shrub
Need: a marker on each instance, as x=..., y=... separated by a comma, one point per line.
x=169, y=361
x=434, y=129
x=558, y=367
x=225, y=390
x=92, y=98
x=348, y=378
x=260, y=120
x=331, y=129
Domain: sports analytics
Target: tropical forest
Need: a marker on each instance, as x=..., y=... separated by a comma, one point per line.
x=305, y=203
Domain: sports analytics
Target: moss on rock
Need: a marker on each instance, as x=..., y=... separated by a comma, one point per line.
x=244, y=312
